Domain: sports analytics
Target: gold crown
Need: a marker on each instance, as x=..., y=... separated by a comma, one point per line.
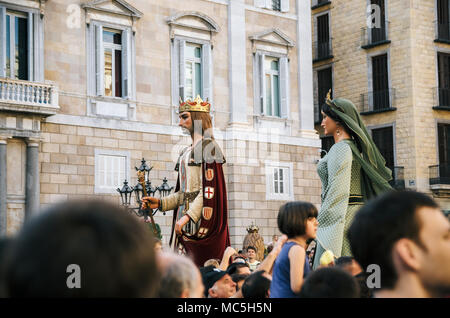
x=197, y=105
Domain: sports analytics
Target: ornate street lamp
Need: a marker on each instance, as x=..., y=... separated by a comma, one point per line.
x=144, y=168
x=150, y=190
x=164, y=190
x=125, y=194
x=142, y=189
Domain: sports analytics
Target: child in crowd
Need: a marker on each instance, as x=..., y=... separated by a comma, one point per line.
x=298, y=220
x=252, y=261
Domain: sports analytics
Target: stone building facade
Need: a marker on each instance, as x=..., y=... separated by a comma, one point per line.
x=391, y=59
x=89, y=88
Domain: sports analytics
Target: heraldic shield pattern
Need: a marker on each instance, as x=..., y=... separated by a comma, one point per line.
x=209, y=192
x=207, y=213
x=209, y=174
x=202, y=232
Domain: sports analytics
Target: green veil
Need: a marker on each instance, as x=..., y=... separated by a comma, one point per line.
x=375, y=175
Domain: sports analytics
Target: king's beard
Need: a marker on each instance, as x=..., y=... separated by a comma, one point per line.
x=186, y=132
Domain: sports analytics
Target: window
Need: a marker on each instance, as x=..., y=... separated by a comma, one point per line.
x=444, y=79
x=272, y=79
x=111, y=170
x=380, y=98
x=444, y=151
x=112, y=61
x=324, y=84
x=191, y=58
x=279, y=181
x=112, y=48
x=323, y=39
x=271, y=85
x=193, y=71
x=276, y=5
x=378, y=31
x=443, y=21
x=16, y=46
x=384, y=140
x=21, y=45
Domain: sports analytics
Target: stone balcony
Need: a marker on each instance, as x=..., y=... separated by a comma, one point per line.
x=28, y=97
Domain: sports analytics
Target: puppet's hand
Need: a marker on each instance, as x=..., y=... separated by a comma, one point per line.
x=180, y=223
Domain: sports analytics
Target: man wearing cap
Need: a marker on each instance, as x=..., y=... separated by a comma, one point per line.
x=218, y=284
x=200, y=222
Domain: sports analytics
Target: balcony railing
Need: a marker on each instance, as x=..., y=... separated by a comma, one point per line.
x=442, y=32
x=322, y=50
x=398, y=178
x=441, y=98
x=319, y=3
x=440, y=174
x=18, y=95
x=371, y=37
x=378, y=101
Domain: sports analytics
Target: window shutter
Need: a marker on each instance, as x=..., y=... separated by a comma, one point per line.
x=325, y=83
x=206, y=72
x=2, y=41
x=126, y=64
x=260, y=3
x=175, y=71
x=30, y=53
x=38, y=48
x=384, y=140
x=182, y=46
x=443, y=144
x=268, y=4
x=99, y=60
x=284, y=5
x=262, y=82
x=284, y=87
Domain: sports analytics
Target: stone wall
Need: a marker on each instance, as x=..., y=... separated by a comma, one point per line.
x=67, y=165
x=412, y=55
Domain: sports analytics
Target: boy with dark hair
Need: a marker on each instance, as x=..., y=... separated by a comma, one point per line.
x=407, y=236
x=329, y=282
x=348, y=264
x=239, y=279
x=257, y=285
x=351, y=266
x=238, y=268
x=86, y=248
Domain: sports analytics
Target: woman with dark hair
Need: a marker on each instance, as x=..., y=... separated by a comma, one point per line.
x=352, y=172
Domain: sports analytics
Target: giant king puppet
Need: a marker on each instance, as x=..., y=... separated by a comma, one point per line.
x=200, y=221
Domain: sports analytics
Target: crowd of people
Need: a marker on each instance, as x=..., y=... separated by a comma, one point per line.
x=404, y=233
x=367, y=240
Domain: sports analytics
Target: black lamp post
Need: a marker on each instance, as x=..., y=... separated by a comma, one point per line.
x=164, y=190
x=144, y=168
x=125, y=193
x=141, y=189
